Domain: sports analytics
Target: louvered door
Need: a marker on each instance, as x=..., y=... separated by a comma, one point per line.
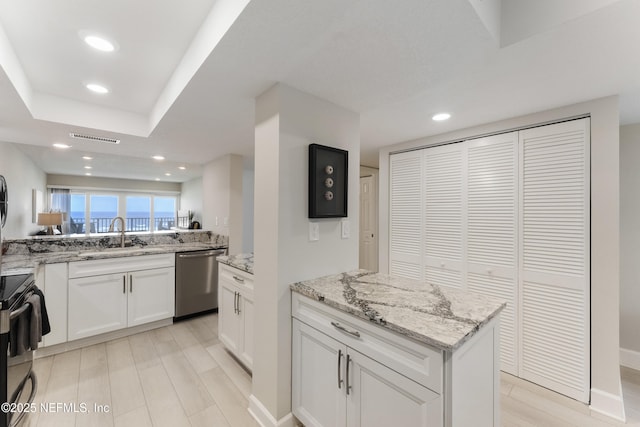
x=492, y=220
x=554, y=257
x=444, y=198
x=405, y=242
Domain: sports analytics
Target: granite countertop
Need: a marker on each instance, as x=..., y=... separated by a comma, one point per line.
x=242, y=262
x=443, y=318
x=22, y=262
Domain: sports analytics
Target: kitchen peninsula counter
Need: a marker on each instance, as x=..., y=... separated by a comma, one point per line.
x=443, y=318
x=394, y=350
x=243, y=262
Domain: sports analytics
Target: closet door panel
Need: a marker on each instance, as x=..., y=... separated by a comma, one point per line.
x=554, y=257
x=492, y=221
x=444, y=196
x=405, y=237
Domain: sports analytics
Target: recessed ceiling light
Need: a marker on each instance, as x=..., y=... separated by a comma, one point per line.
x=157, y=179
x=88, y=167
x=157, y=157
x=97, y=88
x=181, y=168
x=441, y=116
x=167, y=174
x=99, y=43
x=62, y=146
x=87, y=157
x=88, y=174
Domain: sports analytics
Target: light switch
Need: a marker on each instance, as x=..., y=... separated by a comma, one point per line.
x=314, y=231
x=345, y=228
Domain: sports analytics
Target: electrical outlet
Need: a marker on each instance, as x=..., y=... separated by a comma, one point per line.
x=225, y=221
x=314, y=231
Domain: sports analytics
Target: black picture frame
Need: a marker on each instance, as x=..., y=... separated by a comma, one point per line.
x=328, y=181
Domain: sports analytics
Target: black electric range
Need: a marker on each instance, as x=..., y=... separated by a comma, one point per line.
x=12, y=288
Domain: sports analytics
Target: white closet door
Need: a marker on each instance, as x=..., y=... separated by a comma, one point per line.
x=444, y=194
x=492, y=225
x=554, y=257
x=405, y=237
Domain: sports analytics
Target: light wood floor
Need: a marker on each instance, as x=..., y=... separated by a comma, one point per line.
x=181, y=375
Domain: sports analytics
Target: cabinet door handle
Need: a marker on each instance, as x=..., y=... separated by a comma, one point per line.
x=124, y=284
x=238, y=279
x=235, y=302
x=130, y=283
x=340, y=380
x=348, y=362
x=238, y=296
x=345, y=330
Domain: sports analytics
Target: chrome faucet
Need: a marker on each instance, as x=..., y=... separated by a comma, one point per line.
x=121, y=229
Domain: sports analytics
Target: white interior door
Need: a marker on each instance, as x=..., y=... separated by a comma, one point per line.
x=492, y=231
x=444, y=207
x=368, y=224
x=406, y=215
x=554, y=257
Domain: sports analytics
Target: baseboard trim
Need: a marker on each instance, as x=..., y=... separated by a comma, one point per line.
x=607, y=404
x=264, y=417
x=630, y=358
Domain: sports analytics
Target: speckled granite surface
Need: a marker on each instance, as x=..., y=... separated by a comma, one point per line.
x=443, y=318
x=29, y=253
x=242, y=262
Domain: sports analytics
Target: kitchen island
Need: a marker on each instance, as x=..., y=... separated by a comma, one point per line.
x=371, y=349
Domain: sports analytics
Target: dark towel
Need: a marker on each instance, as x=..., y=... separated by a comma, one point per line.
x=46, y=327
x=19, y=333
x=35, y=321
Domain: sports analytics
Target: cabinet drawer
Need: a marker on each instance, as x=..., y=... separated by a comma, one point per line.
x=119, y=265
x=417, y=361
x=241, y=279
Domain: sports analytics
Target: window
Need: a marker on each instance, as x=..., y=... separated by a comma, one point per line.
x=142, y=212
x=78, y=213
x=164, y=209
x=138, y=213
x=103, y=208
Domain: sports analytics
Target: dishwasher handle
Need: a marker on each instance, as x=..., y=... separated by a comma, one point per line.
x=202, y=254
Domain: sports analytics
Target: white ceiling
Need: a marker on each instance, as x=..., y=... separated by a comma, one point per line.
x=184, y=78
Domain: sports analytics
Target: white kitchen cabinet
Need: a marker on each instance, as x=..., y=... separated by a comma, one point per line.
x=349, y=372
x=111, y=294
x=335, y=385
x=235, y=312
x=97, y=304
x=52, y=280
x=151, y=295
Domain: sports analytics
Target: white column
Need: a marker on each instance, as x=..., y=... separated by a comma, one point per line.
x=287, y=121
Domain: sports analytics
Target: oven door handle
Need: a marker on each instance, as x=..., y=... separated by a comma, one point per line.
x=18, y=312
x=16, y=395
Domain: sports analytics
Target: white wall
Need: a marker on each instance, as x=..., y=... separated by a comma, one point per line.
x=248, y=177
x=22, y=176
x=606, y=393
x=630, y=244
x=287, y=121
x=191, y=197
x=222, y=199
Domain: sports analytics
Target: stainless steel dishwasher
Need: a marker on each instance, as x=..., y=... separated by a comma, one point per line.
x=197, y=281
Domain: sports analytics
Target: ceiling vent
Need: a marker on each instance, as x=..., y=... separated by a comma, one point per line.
x=94, y=138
